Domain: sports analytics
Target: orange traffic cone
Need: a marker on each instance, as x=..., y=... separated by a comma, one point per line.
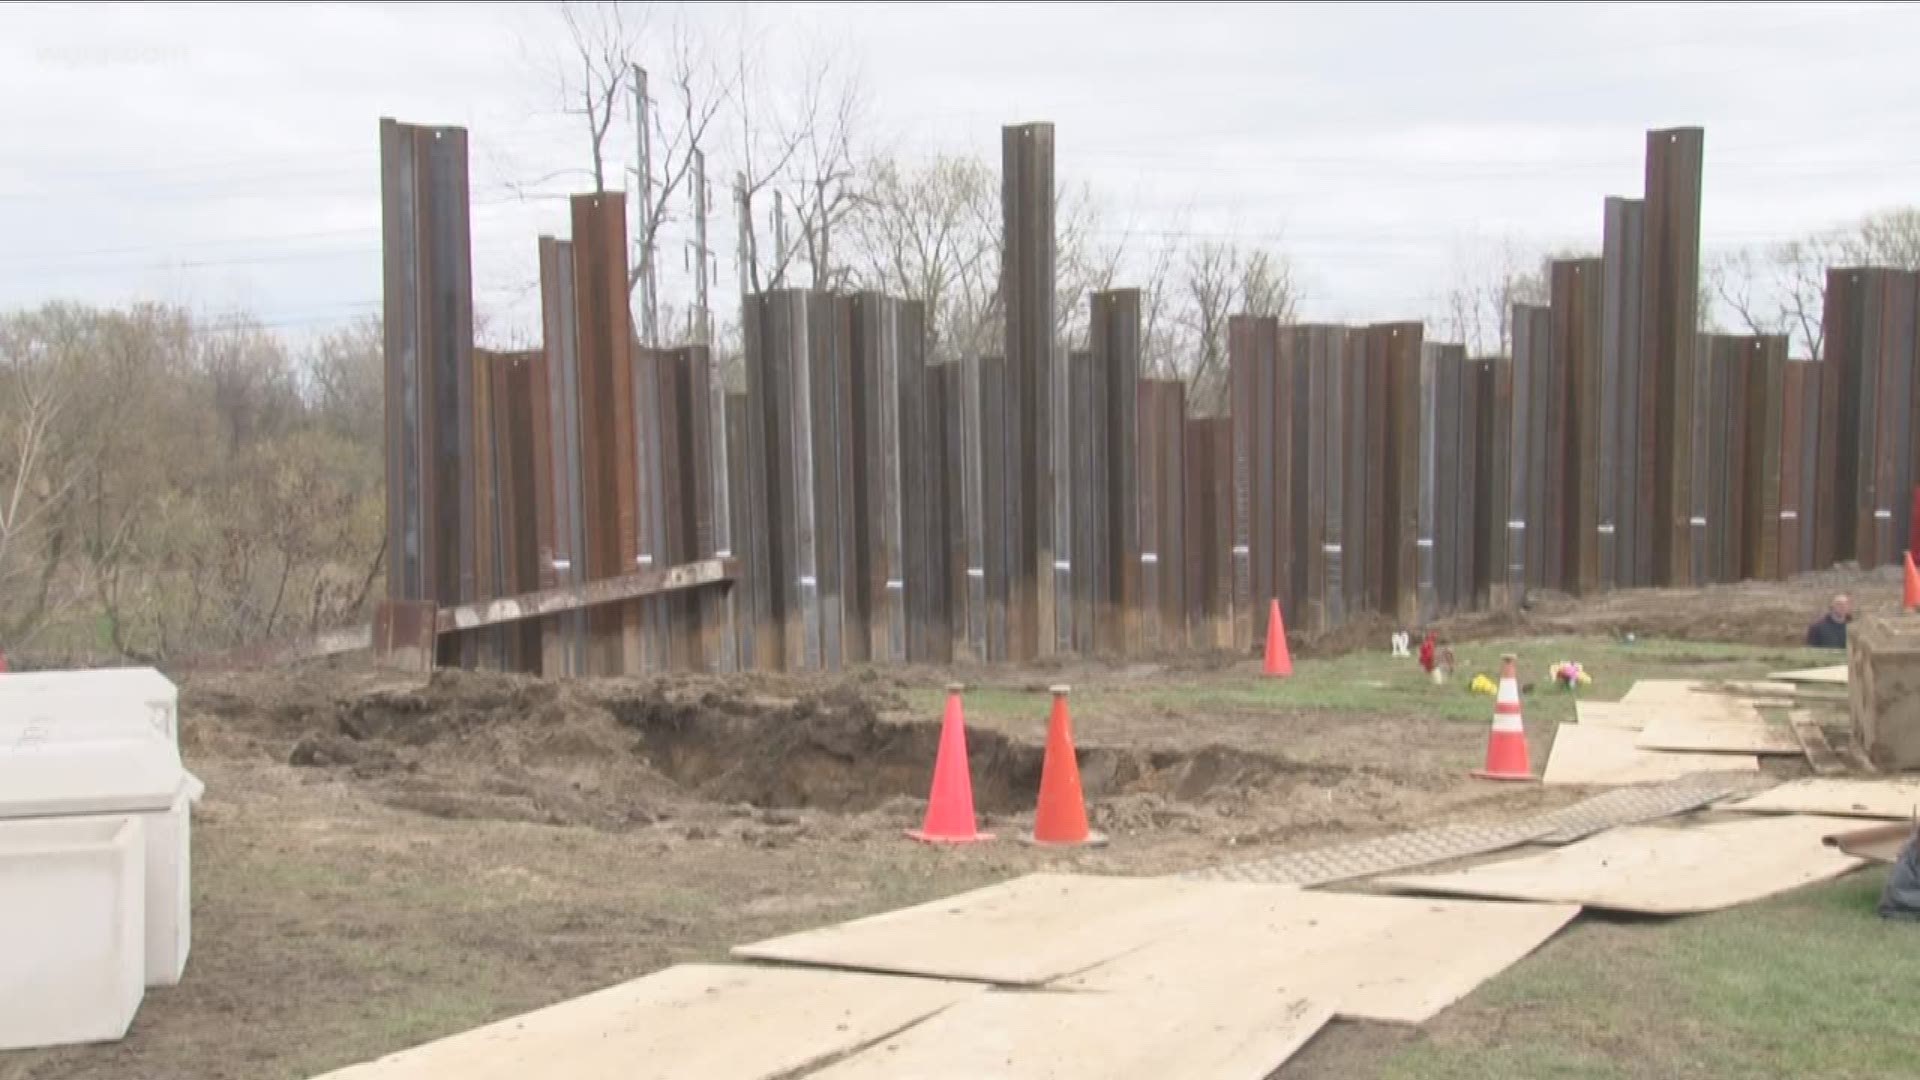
x=1507, y=744
x=1279, y=662
x=1912, y=598
x=950, y=818
x=1061, y=817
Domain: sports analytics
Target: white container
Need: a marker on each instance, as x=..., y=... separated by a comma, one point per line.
x=140, y=777
x=72, y=920
x=69, y=706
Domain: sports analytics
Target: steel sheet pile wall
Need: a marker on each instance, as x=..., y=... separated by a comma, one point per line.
x=1114, y=347
x=1318, y=353
x=510, y=512
x=1260, y=373
x=1451, y=460
x=562, y=519
x=1799, y=461
x=1035, y=394
x=1577, y=323
x=1331, y=447
x=1493, y=570
x=1209, y=540
x=1669, y=310
x=1867, y=416
x=887, y=509
x=609, y=483
x=427, y=271
x=1530, y=486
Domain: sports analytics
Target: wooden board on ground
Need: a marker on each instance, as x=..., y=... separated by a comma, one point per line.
x=1240, y=1034
x=1830, y=676
x=1384, y=958
x=1672, y=731
x=1024, y=932
x=1812, y=737
x=1624, y=715
x=1656, y=871
x=1591, y=754
x=1653, y=691
x=1893, y=799
x=711, y=1021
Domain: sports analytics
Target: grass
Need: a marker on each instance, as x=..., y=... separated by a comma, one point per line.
x=1373, y=682
x=1808, y=984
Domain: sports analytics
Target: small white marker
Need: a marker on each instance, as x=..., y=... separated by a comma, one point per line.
x=1699, y=523
x=1423, y=542
x=1061, y=564
x=1519, y=526
x=808, y=581
x=1883, y=515
x=974, y=571
x=1242, y=549
x=723, y=553
x=1149, y=557
x=1789, y=515
x=645, y=560
x=562, y=564
x=1330, y=549
x=1607, y=529
x=896, y=584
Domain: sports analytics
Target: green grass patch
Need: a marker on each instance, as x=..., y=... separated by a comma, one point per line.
x=1809, y=984
x=1374, y=682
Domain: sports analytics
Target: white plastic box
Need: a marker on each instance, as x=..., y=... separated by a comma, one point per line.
x=72, y=915
x=111, y=703
x=104, y=779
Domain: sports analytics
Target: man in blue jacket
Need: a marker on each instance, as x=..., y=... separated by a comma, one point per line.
x=1831, y=631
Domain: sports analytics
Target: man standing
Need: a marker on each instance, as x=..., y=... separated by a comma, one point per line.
x=1831, y=631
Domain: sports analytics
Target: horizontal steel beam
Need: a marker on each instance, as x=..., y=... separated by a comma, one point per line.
x=632, y=586
x=485, y=613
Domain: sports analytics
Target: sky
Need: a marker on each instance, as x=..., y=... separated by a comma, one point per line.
x=226, y=156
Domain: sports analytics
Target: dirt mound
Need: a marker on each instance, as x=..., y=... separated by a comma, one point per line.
x=614, y=754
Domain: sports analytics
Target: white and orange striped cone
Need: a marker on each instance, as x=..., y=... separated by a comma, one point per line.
x=1507, y=743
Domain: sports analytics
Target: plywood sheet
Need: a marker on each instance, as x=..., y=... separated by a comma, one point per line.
x=1231, y=1035
x=1390, y=959
x=1672, y=731
x=713, y=1022
x=1895, y=799
x=1590, y=754
x=1648, y=691
x=1625, y=715
x=1656, y=871
x=1834, y=676
x=1024, y=932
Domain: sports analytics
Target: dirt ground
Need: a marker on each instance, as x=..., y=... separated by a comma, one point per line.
x=379, y=862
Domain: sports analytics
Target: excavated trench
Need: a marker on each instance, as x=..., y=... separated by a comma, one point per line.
x=834, y=752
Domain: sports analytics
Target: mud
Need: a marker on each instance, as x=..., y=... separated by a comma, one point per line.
x=623, y=754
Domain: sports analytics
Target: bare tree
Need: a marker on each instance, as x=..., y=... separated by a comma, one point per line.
x=1488, y=281
x=610, y=44
x=604, y=37
x=831, y=114
x=929, y=233
x=1220, y=279
x=698, y=91
x=33, y=483
x=1782, y=289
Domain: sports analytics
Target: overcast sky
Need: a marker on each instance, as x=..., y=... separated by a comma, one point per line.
x=225, y=156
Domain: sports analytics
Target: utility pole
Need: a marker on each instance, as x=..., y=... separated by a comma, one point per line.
x=649, y=296
x=702, y=320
